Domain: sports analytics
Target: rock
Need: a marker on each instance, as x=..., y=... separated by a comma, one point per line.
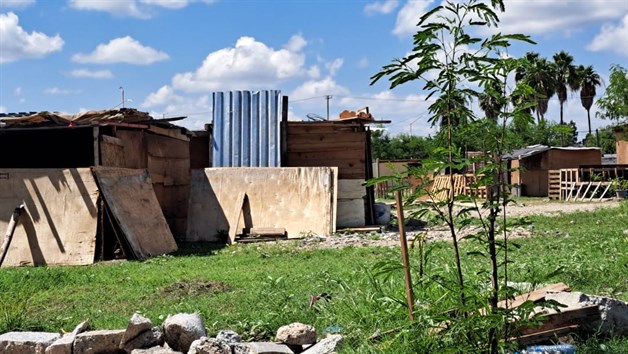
x=266, y=348
x=240, y=348
x=81, y=327
x=296, y=334
x=613, y=312
x=155, y=350
x=26, y=342
x=328, y=345
x=182, y=329
x=140, y=334
x=206, y=345
x=62, y=345
x=102, y=341
x=228, y=337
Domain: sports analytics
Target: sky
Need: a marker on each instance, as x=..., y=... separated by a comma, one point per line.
x=167, y=57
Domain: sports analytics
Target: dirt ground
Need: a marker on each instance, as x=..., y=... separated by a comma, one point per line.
x=388, y=236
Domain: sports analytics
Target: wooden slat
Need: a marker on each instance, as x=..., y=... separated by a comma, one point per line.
x=565, y=318
x=545, y=336
x=533, y=296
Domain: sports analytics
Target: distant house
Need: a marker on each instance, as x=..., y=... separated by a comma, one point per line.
x=533, y=163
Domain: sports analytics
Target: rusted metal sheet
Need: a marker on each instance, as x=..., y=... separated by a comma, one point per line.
x=246, y=129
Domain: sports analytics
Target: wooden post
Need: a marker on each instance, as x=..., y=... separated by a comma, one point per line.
x=9, y=235
x=404, y=255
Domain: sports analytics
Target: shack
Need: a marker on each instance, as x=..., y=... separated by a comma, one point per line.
x=63, y=167
x=532, y=165
x=267, y=172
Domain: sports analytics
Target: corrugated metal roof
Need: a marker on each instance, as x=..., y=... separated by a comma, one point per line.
x=537, y=149
x=246, y=129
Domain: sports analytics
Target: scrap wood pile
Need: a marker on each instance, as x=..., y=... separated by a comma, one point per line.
x=576, y=313
x=442, y=188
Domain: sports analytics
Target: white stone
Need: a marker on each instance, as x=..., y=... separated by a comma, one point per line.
x=102, y=341
x=62, y=345
x=206, y=345
x=228, y=337
x=26, y=342
x=328, y=345
x=268, y=348
x=296, y=334
x=182, y=329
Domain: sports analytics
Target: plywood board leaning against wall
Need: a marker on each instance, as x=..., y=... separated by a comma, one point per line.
x=130, y=197
x=300, y=199
x=58, y=225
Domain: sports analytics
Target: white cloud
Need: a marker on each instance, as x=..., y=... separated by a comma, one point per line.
x=409, y=16
x=165, y=102
x=363, y=62
x=563, y=17
x=17, y=4
x=296, y=43
x=17, y=91
x=612, y=38
x=248, y=65
x=384, y=7
x=120, y=8
x=174, y=4
x=334, y=66
x=121, y=50
x=17, y=44
x=314, y=72
x=326, y=86
x=3, y=109
x=59, y=91
x=92, y=74
x=132, y=8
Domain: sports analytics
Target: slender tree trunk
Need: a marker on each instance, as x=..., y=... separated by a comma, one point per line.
x=589, y=118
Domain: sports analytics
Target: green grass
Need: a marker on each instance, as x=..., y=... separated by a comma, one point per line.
x=255, y=288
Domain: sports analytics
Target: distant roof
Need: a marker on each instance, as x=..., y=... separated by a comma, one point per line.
x=537, y=149
x=47, y=119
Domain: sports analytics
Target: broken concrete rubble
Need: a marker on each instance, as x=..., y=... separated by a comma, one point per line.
x=142, y=337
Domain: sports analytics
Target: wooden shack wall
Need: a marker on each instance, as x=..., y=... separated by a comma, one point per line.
x=167, y=159
x=534, y=176
x=335, y=145
x=621, y=143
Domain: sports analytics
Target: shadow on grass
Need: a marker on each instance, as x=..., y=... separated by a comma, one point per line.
x=198, y=248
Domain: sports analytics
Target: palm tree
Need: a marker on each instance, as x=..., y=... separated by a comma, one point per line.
x=588, y=79
x=565, y=77
x=539, y=74
x=489, y=102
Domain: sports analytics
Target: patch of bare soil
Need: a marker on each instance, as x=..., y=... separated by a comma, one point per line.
x=389, y=237
x=194, y=288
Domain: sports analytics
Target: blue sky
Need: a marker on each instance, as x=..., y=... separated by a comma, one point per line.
x=170, y=55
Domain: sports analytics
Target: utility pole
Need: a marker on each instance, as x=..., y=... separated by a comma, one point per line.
x=328, y=97
x=122, y=90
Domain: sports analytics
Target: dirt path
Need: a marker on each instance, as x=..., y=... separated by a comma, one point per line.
x=391, y=237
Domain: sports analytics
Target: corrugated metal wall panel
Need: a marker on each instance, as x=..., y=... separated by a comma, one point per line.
x=246, y=129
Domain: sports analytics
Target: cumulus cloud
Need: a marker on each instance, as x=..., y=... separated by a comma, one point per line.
x=409, y=15
x=363, y=62
x=334, y=66
x=121, y=8
x=381, y=7
x=3, y=109
x=612, y=38
x=165, y=102
x=248, y=65
x=313, y=88
x=16, y=4
x=564, y=17
x=121, y=50
x=132, y=8
x=296, y=43
x=17, y=44
x=92, y=74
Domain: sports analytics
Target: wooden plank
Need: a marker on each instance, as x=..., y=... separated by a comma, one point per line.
x=60, y=221
x=266, y=231
x=96, y=134
x=568, y=317
x=112, y=151
x=171, y=133
x=540, y=337
x=533, y=296
x=130, y=197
